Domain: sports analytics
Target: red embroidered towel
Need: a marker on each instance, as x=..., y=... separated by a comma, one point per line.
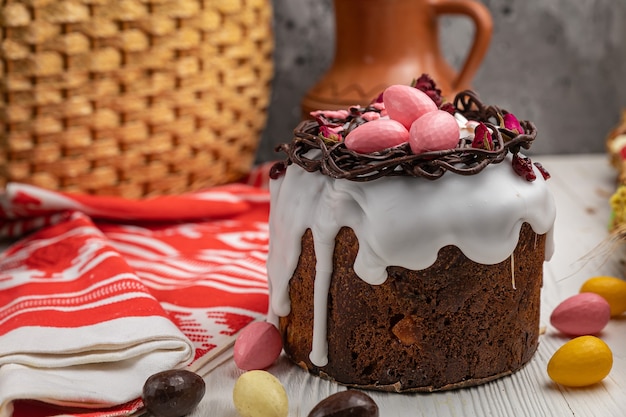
x=101, y=292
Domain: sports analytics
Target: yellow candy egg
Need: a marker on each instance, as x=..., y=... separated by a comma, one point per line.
x=612, y=289
x=582, y=361
x=260, y=394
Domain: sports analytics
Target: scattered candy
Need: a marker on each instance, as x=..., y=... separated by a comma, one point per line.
x=257, y=347
x=582, y=361
x=407, y=104
x=612, y=289
x=260, y=394
x=350, y=403
x=434, y=131
x=173, y=393
x=377, y=135
x=582, y=314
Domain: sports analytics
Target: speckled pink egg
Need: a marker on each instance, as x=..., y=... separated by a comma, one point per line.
x=377, y=135
x=258, y=346
x=407, y=104
x=582, y=314
x=434, y=131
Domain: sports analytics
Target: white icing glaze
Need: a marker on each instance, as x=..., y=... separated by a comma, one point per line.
x=399, y=221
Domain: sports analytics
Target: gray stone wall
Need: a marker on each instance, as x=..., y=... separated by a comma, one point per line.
x=559, y=63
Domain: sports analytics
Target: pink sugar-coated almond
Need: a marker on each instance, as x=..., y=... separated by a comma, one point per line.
x=377, y=135
x=258, y=346
x=407, y=104
x=582, y=314
x=434, y=131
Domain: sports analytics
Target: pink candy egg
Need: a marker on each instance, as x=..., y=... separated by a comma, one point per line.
x=257, y=347
x=582, y=314
x=377, y=135
x=407, y=104
x=434, y=131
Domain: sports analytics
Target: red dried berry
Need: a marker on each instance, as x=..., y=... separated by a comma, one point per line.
x=523, y=167
x=544, y=172
x=278, y=170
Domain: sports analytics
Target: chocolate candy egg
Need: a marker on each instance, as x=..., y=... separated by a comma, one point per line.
x=173, y=393
x=344, y=404
x=376, y=135
x=257, y=347
x=582, y=314
x=434, y=131
x=407, y=104
x=260, y=394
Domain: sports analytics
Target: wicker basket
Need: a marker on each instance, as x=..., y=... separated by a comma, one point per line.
x=132, y=97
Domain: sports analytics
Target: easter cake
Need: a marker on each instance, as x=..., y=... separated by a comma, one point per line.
x=407, y=241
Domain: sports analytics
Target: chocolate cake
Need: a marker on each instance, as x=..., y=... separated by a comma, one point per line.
x=403, y=272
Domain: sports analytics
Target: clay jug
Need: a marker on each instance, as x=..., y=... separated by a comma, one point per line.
x=384, y=42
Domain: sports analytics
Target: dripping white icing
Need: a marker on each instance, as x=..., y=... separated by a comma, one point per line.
x=400, y=221
x=513, y=269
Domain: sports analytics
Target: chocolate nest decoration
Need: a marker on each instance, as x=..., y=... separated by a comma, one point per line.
x=335, y=160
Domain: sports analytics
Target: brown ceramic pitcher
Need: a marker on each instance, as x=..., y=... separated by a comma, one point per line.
x=384, y=42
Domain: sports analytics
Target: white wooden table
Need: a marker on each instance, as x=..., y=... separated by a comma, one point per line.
x=582, y=185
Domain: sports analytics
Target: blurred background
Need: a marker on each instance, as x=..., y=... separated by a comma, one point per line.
x=559, y=63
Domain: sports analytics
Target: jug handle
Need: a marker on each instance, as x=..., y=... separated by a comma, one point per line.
x=483, y=23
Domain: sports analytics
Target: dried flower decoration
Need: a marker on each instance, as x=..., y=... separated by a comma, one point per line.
x=331, y=132
x=510, y=122
x=449, y=107
x=427, y=85
x=482, y=138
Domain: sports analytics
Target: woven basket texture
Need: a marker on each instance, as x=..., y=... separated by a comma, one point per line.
x=132, y=97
